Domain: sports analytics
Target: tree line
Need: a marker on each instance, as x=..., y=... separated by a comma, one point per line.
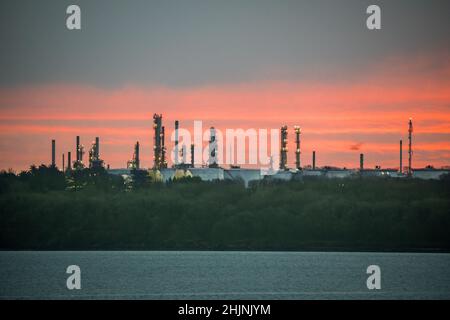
x=43, y=208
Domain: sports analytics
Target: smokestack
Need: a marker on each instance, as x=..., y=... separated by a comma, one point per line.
x=314, y=160
x=176, y=142
x=53, y=153
x=192, y=155
x=297, y=150
x=401, y=157
x=361, y=162
x=284, y=149
x=69, y=159
x=136, y=155
x=78, y=148
x=63, y=164
x=410, y=130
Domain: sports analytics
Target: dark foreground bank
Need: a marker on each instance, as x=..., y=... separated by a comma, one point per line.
x=342, y=214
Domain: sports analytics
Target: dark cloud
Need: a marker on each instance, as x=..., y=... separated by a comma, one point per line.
x=197, y=42
x=356, y=146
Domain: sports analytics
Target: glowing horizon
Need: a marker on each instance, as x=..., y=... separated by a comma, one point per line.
x=260, y=65
x=338, y=120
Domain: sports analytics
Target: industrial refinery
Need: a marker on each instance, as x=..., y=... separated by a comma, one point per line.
x=184, y=164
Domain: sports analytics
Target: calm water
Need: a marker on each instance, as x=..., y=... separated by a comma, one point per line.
x=223, y=275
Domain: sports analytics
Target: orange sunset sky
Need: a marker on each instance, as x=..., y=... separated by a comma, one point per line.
x=339, y=121
x=345, y=106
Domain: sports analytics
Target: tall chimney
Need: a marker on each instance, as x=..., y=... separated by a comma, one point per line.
x=69, y=159
x=63, y=164
x=53, y=152
x=192, y=155
x=410, y=130
x=401, y=157
x=136, y=155
x=314, y=161
x=361, y=162
x=176, y=142
x=297, y=150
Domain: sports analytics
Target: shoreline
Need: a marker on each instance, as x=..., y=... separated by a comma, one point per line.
x=309, y=250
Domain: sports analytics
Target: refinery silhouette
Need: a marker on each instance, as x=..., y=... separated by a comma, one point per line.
x=213, y=169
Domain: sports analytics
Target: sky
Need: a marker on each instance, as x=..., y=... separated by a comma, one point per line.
x=232, y=64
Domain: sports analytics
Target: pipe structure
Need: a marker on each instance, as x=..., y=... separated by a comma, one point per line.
x=94, y=155
x=410, y=131
x=136, y=155
x=81, y=153
x=97, y=148
x=78, y=149
x=78, y=164
x=157, y=123
x=69, y=163
x=134, y=163
x=297, y=149
x=284, y=149
x=163, y=148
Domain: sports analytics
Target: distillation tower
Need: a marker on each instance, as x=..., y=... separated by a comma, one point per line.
x=94, y=155
x=212, y=162
x=410, y=131
x=297, y=148
x=159, y=158
x=134, y=163
x=283, y=149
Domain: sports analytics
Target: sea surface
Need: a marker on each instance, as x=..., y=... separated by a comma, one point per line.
x=222, y=275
